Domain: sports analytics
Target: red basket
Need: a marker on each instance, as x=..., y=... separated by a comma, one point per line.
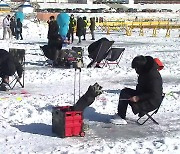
x=66, y=123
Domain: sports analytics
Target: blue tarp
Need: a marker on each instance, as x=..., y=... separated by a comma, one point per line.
x=63, y=22
x=20, y=15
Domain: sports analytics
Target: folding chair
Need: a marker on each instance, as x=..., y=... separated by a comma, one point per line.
x=149, y=115
x=102, y=52
x=19, y=55
x=114, y=56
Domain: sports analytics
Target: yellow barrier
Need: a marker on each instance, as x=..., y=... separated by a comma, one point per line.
x=129, y=25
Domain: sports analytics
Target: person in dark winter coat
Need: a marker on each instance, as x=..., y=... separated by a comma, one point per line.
x=84, y=29
x=13, y=25
x=53, y=30
x=92, y=27
x=8, y=66
x=55, y=41
x=148, y=94
x=72, y=25
x=19, y=29
x=79, y=30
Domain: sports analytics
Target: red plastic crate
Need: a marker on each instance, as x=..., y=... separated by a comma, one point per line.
x=66, y=123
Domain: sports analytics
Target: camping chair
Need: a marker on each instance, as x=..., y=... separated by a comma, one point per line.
x=102, y=51
x=114, y=56
x=149, y=115
x=19, y=55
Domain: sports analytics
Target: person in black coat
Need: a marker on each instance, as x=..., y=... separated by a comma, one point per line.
x=80, y=28
x=84, y=29
x=148, y=94
x=92, y=27
x=19, y=29
x=13, y=25
x=55, y=41
x=8, y=66
x=53, y=30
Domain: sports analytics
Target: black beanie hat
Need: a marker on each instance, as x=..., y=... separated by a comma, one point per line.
x=138, y=62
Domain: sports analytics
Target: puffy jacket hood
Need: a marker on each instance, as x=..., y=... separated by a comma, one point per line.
x=150, y=65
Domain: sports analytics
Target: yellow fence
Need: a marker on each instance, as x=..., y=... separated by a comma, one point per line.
x=128, y=26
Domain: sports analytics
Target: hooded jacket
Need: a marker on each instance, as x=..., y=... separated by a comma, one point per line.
x=6, y=22
x=149, y=87
x=80, y=27
x=53, y=30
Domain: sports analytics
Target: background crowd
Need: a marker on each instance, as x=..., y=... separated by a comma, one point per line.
x=12, y=27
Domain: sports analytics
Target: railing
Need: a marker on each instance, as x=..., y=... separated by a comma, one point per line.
x=128, y=26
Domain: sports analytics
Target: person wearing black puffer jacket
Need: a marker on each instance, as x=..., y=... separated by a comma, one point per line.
x=148, y=94
x=79, y=28
x=53, y=30
x=8, y=66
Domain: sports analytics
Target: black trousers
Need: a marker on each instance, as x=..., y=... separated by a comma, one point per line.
x=123, y=104
x=138, y=107
x=70, y=34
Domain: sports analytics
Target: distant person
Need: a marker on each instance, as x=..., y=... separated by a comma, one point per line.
x=79, y=29
x=8, y=67
x=19, y=29
x=53, y=29
x=6, y=27
x=13, y=26
x=136, y=19
x=92, y=28
x=148, y=94
x=84, y=29
x=72, y=25
x=55, y=41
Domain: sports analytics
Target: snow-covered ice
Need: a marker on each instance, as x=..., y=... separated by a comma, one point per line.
x=26, y=119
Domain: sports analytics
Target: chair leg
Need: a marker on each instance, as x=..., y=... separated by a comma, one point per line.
x=16, y=79
x=148, y=117
x=152, y=119
x=118, y=65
